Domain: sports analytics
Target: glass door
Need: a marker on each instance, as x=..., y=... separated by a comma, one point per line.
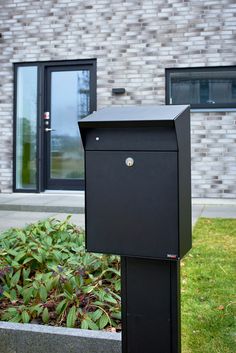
x=69, y=98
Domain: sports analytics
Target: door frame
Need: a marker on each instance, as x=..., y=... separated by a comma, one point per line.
x=42, y=67
x=47, y=182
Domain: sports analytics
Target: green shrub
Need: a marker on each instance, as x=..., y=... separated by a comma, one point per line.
x=47, y=277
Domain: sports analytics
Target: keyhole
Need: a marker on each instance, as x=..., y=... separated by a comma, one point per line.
x=129, y=162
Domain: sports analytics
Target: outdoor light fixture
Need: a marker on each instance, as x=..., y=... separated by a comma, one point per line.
x=118, y=90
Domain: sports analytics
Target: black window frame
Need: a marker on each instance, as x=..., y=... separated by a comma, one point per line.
x=199, y=106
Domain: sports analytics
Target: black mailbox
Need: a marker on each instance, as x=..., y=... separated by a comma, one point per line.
x=138, y=192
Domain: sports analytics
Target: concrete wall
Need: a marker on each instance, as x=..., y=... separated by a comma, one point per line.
x=133, y=41
x=29, y=338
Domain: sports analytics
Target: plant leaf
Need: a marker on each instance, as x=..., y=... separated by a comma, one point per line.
x=7, y=295
x=38, y=258
x=103, y=321
x=92, y=325
x=43, y=293
x=71, y=317
x=25, y=317
x=110, y=299
x=61, y=307
x=97, y=314
x=15, y=278
x=45, y=315
x=117, y=285
x=26, y=273
x=16, y=318
x=84, y=324
x=22, y=236
x=13, y=294
x=20, y=256
x=27, y=293
x=28, y=259
x=48, y=240
x=116, y=315
x=68, y=287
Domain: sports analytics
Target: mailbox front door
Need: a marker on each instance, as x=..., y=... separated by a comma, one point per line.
x=69, y=98
x=135, y=195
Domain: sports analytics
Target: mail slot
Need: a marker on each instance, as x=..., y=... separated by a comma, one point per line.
x=137, y=184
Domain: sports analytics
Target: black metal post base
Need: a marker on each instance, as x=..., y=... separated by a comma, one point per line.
x=150, y=306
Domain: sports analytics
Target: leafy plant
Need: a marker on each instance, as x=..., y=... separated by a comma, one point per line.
x=47, y=277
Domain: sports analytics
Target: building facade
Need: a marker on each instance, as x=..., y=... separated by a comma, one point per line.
x=47, y=47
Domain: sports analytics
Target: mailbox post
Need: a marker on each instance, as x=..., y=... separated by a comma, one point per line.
x=138, y=205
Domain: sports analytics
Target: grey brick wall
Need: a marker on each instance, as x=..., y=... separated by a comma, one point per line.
x=133, y=41
x=214, y=154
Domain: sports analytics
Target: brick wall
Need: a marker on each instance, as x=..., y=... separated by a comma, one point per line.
x=133, y=41
x=214, y=154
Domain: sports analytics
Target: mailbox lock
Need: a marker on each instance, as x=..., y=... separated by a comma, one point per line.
x=129, y=162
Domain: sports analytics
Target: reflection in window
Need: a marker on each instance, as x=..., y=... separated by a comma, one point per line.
x=70, y=102
x=203, y=87
x=26, y=125
x=83, y=97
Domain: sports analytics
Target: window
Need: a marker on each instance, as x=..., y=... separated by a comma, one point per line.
x=26, y=127
x=207, y=88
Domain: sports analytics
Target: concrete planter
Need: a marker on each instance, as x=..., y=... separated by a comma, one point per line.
x=29, y=338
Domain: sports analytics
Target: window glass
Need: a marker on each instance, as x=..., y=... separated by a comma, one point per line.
x=26, y=127
x=202, y=87
x=70, y=102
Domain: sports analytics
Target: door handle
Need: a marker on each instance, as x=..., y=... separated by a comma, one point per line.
x=47, y=129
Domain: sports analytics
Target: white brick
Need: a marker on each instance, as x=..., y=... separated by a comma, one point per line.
x=133, y=43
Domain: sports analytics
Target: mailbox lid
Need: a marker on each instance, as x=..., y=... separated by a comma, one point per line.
x=134, y=115
x=132, y=211
x=147, y=128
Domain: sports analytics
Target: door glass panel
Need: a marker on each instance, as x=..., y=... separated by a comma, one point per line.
x=26, y=125
x=70, y=102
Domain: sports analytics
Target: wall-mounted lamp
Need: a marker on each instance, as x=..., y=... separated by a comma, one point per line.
x=118, y=90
